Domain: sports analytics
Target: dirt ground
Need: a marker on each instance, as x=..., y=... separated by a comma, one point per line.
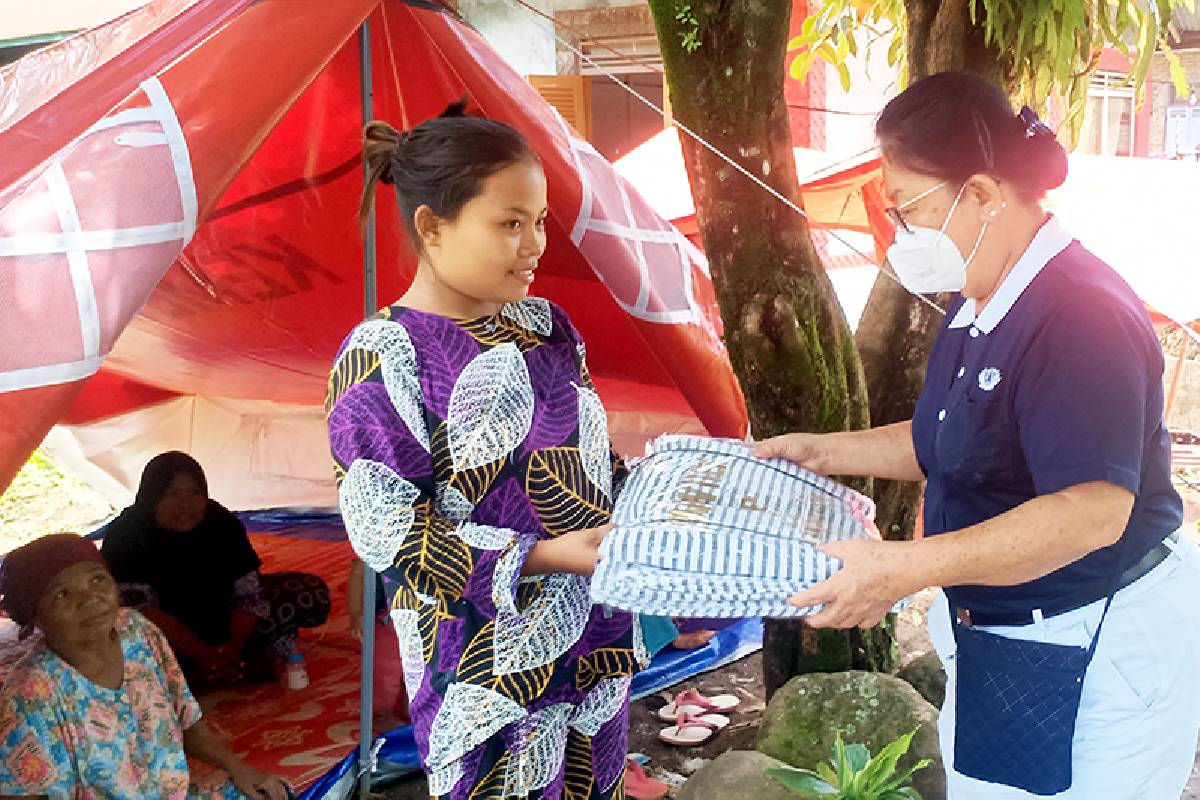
x=42, y=500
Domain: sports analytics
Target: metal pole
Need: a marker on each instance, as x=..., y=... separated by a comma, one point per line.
x=370, y=306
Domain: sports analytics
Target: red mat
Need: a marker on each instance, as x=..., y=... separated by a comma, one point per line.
x=298, y=734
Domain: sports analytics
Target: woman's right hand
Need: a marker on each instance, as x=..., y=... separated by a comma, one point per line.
x=807, y=450
x=575, y=552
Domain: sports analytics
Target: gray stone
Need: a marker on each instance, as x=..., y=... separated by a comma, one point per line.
x=736, y=775
x=803, y=718
x=927, y=676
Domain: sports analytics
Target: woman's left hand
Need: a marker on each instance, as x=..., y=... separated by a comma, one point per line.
x=875, y=575
x=255, y=784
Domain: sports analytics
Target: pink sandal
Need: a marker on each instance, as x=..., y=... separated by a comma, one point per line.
x=691, y=731
x=640, y=786
x=694, y=703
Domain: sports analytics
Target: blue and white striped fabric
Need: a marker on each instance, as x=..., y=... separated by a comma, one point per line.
x=704, y=529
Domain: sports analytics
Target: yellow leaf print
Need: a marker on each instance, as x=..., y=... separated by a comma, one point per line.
x=498, y=330
x=609, y=662
x=354, y=367
x=577, y=778
x=431, y=549
x=474, y=484
x=476, y=667
x=492, y=787
x=561, y=493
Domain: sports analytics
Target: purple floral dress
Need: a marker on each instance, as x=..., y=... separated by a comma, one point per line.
x=457, y=446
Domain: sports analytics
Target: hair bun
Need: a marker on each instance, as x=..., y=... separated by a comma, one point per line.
x=380, y=142
x=1046, y=159
x=456, y=109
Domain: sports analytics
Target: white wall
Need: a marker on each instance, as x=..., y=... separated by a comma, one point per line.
x=525, y=40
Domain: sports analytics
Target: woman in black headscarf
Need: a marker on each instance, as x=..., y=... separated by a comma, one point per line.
x=185, y=562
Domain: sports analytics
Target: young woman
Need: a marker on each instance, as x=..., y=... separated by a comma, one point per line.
x=185, y=562
x=99, y=707
x=474, y=467
x=1040, y=435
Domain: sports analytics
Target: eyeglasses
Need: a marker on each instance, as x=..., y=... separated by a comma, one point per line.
x=894, y=212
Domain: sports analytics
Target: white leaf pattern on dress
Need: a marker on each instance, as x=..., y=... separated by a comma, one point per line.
x=412, y=651
x=443, y=781
x=540, y=757
x=504, y=580
x=601, y=704
x=377, y=506
x=532, y=313
x=491, y=408
x=453, y=504
x=484, y=537
x=546, y=629
x=640, y=653
x=398, y=366
x=469, y=716
x=593, y=440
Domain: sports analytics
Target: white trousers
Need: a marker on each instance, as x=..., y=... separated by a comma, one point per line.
x=1135, y=738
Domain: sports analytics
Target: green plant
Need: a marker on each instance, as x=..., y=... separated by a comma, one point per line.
x=690, y=38
x=852, y=774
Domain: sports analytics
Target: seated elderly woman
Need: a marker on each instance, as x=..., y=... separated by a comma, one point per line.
x=186, y=563
x=98, y=707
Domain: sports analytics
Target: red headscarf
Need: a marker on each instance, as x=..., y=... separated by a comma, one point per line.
x=28, y=570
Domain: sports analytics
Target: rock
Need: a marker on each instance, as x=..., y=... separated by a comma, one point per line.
x=736, y=775
x=805, y=715
x=927, y=676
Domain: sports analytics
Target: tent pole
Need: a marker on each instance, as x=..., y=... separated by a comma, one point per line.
x=370, y=306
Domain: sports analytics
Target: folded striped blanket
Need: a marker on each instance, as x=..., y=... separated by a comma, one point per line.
x=704, y=529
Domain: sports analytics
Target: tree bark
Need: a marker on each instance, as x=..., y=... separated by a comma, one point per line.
x=787, y=337
x=897, y=330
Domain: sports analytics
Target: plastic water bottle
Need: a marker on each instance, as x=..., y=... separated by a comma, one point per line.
x=295, y=674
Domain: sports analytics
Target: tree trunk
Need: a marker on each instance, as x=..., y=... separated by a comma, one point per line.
x=897, y=330
x=787, y=337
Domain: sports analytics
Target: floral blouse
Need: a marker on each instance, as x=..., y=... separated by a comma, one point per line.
x=63, y=736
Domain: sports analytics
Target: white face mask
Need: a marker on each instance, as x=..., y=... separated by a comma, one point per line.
x=927, y=260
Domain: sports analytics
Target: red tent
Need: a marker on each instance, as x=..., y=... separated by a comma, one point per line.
x=179, y=256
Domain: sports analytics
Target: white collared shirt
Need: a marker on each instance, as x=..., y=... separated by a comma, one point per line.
x=1050, y=240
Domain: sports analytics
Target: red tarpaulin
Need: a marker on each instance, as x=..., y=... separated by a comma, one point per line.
x=177, y=203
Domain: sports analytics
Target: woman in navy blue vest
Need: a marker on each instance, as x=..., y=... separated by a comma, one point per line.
x=1050, y=518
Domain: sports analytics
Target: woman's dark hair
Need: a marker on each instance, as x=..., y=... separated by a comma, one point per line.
x=442, y=163
x=158, y=474
x=953, y=125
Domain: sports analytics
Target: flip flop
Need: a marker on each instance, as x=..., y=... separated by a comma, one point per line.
x=691, y=731
x=640, y=786
x=692, y=702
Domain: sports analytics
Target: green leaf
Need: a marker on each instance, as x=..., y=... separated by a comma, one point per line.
x=899, y=780
x=844, y=74
x=803, y=781
x=840, y=761
x=827, y=774
x=858, y=755
x=797, y=43
x=881, y=767
x=1178, y=74
x=893, y=53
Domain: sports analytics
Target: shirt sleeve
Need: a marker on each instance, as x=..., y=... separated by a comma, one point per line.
x=34, y=754
x=187, y=710
x=1084, y=394
x=398, y=517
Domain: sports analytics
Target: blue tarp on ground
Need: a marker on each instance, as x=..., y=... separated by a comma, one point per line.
x=398, y=751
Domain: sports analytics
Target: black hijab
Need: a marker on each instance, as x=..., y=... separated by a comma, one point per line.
x=192, y=573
